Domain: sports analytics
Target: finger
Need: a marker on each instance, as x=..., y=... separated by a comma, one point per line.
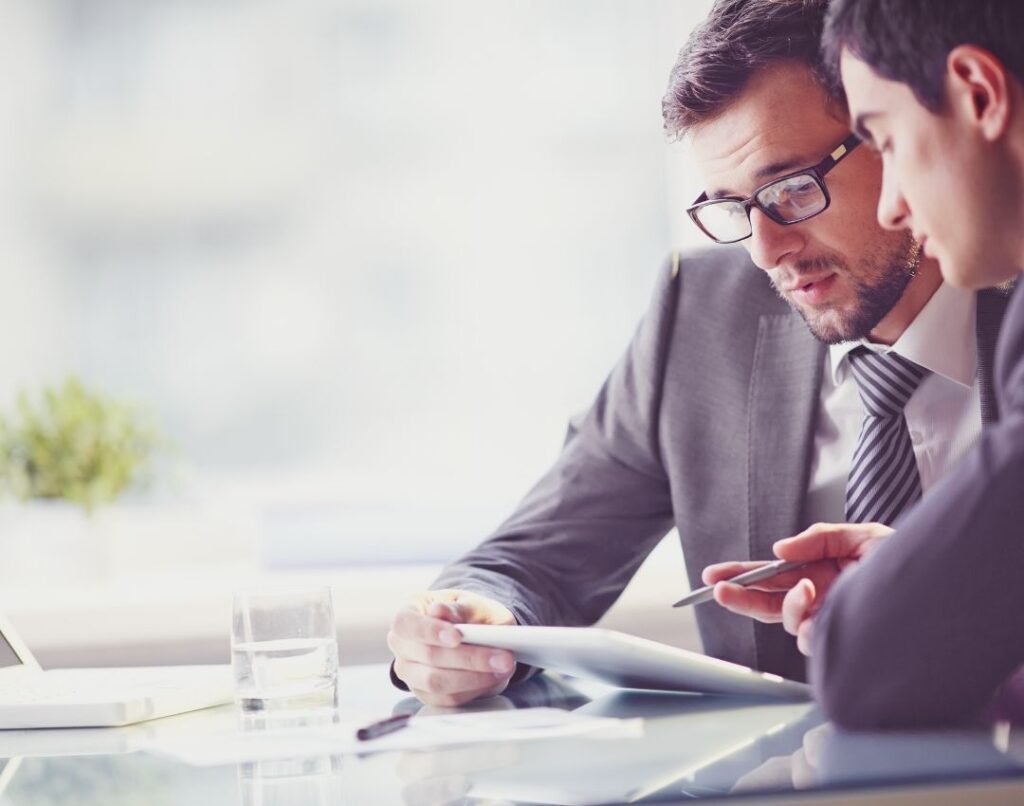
x=761, y=605
x=448, y=611
x=420, y=677
x=415, y=626
x=804, y=635
x=820, y=542
x=821, y=573
x=721, y=571
x=472, y=658
x=797, y=604
x=463, y=607
x=824, y=541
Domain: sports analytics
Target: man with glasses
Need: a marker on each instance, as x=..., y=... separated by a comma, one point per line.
x=729, y=417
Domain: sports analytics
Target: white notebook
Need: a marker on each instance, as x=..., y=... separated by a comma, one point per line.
x=70, y=698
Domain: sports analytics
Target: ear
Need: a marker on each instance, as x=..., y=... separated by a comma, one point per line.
x=978, y=88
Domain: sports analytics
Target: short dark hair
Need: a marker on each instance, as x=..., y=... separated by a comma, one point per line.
x=908, y=40
x=738, y=39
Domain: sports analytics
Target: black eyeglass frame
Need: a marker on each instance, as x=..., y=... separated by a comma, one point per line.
x=816, y=172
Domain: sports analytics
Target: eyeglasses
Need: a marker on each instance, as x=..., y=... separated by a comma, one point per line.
x=789, y=199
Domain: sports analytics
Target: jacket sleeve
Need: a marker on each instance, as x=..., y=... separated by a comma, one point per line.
x=573, y=543
x=929, y=626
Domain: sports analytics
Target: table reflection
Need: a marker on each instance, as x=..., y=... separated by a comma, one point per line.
x=692, y=747
x=848, y=758
x=291, y=782
x=312, y=781
x=697, y=746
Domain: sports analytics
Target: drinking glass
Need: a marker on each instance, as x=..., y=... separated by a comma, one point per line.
x=284, y=649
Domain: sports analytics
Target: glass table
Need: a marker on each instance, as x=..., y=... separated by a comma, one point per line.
x=691, y=748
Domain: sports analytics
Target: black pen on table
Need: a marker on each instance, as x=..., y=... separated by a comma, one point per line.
x=383, y=727
x=707, y=593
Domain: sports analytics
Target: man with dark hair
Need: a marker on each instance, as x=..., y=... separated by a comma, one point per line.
x=728, y=417
x=928, y=627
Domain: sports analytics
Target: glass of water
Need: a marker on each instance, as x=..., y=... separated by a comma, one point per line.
x=284, y=649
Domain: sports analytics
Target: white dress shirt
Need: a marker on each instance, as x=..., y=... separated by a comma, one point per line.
x=943, y=415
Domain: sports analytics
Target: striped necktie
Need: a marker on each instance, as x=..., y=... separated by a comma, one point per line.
x=883, y=478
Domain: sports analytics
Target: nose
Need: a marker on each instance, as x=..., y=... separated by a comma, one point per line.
x=770, y=242
x=893, y=212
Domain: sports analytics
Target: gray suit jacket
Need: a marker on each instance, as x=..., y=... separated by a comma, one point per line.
x=926, y=629
x=706, y=424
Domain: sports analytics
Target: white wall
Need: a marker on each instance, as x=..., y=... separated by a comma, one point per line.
x=363, y=258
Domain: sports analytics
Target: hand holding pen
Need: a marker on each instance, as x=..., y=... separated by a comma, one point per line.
x=818, y=555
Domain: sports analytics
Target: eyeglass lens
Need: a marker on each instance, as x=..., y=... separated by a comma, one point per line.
x=793, y=198
x=725, y=220
x=789, y=200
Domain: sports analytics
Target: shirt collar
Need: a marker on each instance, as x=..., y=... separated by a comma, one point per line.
x=941, y=338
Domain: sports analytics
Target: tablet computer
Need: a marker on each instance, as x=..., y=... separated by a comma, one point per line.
x=628, y=661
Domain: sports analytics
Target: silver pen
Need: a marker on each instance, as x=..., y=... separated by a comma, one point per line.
x=707, y=593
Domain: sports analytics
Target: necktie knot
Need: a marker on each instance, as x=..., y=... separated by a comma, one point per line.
x=885, y=381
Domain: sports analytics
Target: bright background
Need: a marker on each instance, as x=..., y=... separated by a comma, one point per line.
x=362, y=258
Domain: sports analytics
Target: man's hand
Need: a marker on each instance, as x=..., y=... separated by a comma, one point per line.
x=429, y=655
x=794, y=597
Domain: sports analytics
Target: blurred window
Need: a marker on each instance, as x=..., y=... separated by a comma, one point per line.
x=363, y=259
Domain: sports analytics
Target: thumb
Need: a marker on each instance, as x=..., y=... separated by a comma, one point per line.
x=449, y=611
x=798, y=605
x=808, y=591
x=821, y=542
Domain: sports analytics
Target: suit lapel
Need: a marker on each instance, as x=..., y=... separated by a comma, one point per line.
x=784, y=389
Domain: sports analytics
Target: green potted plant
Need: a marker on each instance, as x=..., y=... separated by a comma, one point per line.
x=75, y=444
x=64, y=456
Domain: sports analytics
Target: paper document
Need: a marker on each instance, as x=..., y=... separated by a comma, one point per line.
x=421, y=732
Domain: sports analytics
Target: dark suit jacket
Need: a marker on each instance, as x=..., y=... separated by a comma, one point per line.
x=926, y=629
x=706, y=424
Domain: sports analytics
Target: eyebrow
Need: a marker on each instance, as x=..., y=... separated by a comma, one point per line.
x=765, y=172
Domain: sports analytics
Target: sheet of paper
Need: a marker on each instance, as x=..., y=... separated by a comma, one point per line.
x=421, y=732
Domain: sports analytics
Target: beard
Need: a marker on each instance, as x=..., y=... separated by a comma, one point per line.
x=877, y=284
